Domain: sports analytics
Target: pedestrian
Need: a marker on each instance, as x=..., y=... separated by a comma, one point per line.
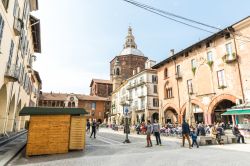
x=214, y=134
x=156, y=131
x=93, y=125
x=88, y=127
x=185, y=133
x=201, y=130
x=238, y=135
x=148, y=132
x=193, y=135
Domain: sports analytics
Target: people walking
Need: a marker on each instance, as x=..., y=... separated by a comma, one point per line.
x=93, y=125
x=156, y=131
x=185, y=133
x=88, y=127
x=238, y=135
x=193, y=135
x=148, y=133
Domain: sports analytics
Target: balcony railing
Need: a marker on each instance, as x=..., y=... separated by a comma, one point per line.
x=229, y=58
x=140, y=95
x=178, y=75
x=11, y=73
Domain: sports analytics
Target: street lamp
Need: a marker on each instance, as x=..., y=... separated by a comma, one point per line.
x=126, y=125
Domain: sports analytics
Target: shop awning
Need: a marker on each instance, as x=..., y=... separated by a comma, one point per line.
x=237, y=112
x=52, y=111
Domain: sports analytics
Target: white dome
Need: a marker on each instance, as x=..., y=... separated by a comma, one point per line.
x=133, y=51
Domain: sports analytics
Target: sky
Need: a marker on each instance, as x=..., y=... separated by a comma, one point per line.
x=80, y=37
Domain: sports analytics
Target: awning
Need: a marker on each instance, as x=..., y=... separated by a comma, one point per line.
x=51, y=111
x=237, y=112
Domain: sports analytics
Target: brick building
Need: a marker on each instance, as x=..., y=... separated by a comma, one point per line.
x=96, y=106
x=102, y=88
x=200, y=82
x=130, y=59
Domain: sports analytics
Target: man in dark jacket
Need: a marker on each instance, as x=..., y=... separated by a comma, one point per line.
x=185, y=133
x=93, y=125
x=238, y=135
x=201, y=130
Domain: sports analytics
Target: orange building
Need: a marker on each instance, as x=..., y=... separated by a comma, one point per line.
x=97, y=107
x=200, y=82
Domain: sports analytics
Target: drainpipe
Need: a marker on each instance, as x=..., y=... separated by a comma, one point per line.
x=238, y=66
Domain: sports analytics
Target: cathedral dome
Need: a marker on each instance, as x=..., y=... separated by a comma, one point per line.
x=130, y=47
x=133, y=51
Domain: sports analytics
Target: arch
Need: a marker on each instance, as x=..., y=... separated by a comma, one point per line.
x=195, y=102
x=11, y=114
x=155, y=116
x=117, y=72
x=216, y=100
x=73, y=104
x=3, y=105
x=69, y=104
x=17, y=120
x=170, y=105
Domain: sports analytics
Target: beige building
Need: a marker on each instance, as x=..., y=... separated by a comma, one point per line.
x=19, y=41
x=139, y=95
x=200, y=82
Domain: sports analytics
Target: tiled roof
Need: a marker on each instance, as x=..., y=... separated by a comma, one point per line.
x=88, y=97
x=53, y=96
x=100, y=81
x=63, y=97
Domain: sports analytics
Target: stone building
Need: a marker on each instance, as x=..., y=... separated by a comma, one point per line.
x=200, y=82
x=102, y=88
x=19, y=82
x=130, y=58
x=96, y=106
x=139, y=94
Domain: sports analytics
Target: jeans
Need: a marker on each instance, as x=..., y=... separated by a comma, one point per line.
x=194, y=142
x=158, y=138
x=238, y=138
x=93, y=132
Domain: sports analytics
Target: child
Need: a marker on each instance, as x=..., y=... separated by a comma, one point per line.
x=194, y=137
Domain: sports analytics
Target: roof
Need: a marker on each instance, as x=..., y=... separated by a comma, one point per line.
x=220, y=33
x=100, y=81
x=92, y=98
x=63, y=97
x=131, y=51
x=51, y=111
x=36, y=36
x=237, y=112
x=53, y=96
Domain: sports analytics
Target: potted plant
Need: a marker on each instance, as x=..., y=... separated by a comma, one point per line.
x=193, y=70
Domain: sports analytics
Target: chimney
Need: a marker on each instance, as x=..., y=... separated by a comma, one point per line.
x=171, y=52
x=134, y=72
x=138, y=69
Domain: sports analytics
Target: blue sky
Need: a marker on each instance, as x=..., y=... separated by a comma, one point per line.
x=80, y=37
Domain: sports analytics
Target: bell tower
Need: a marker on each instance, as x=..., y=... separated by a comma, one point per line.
x=116, y=75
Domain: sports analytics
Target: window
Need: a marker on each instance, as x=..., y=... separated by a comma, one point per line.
x=154, y=79
x=73, y=104
x=190, y=86
x=229, y=50
x=117, y=71
x=166, y=73
x=169, y=93
x=5, y=4
x=155, y=89
x=1, y=28
x=155, y=102
x=142, y=103
x=221, y=79
x=210, y=56
x=93, y=106
x=16, y=9
x=11, y=53
x=193, y=63
x=178, y=70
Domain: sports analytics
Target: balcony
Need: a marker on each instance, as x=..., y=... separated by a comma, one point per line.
x=141, y=95
x=130, y=86
x=178, y=75
x=141, y=82
x=11, y=74
x=229, y=58
x=17, y=26
x=129, y=98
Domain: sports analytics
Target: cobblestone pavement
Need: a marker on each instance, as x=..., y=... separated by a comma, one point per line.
x=108, y=150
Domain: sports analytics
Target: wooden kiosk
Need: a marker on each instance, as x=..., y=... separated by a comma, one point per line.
x=55, y=130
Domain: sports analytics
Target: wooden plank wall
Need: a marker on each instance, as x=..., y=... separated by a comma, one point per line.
x=77, y=133
x=48, y=134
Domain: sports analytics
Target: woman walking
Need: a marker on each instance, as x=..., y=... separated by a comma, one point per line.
x=148, y=133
